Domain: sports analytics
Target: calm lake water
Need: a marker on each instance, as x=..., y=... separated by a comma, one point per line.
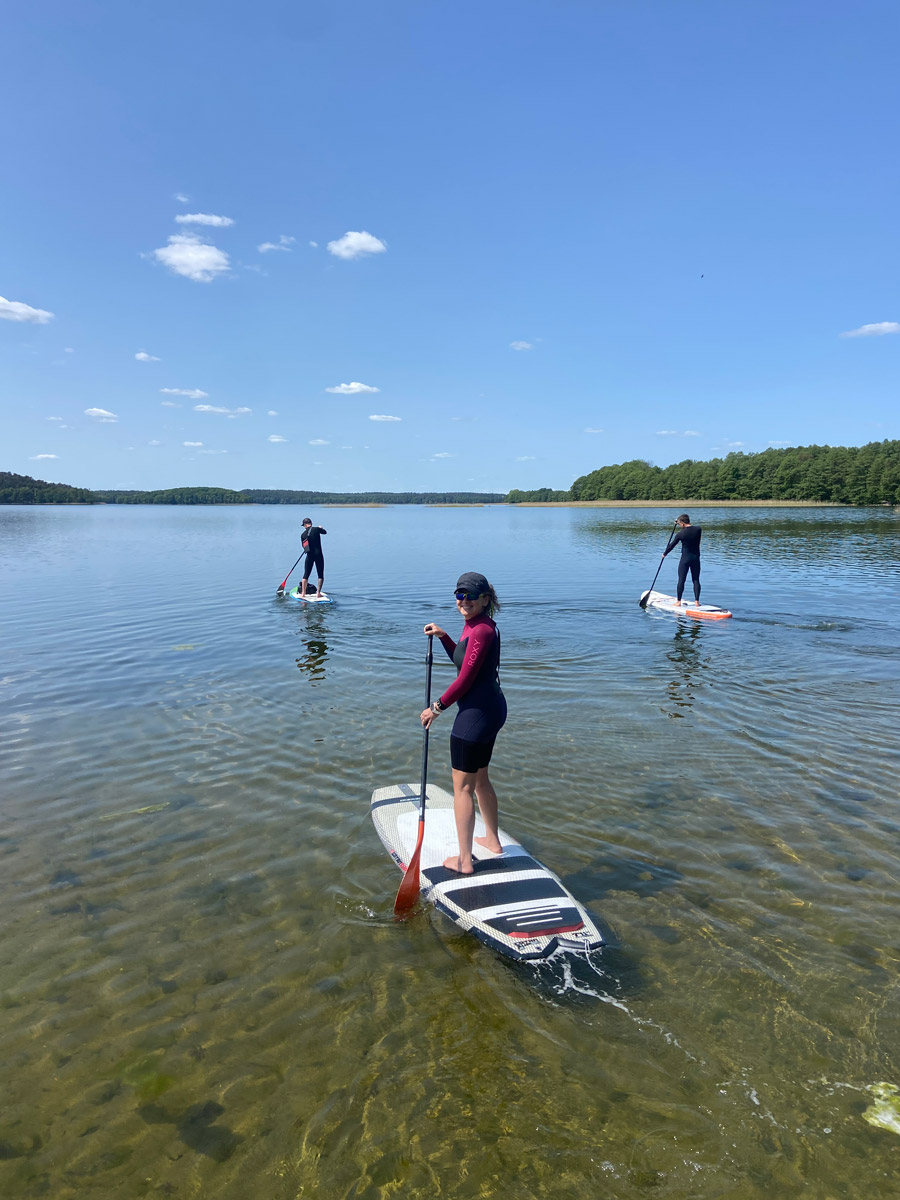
x=202, y=989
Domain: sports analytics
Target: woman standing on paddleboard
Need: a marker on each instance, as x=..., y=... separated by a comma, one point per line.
x=311, y=540
x=481, y=715
x=689, y=536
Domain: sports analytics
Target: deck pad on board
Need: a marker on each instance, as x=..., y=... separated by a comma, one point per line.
x=709, y=612
x=512, y=902
x=310, y=597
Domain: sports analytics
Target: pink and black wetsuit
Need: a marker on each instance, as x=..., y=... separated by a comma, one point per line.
x=476, y=690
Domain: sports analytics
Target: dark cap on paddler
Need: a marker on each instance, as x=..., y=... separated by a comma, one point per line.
x=471, y=581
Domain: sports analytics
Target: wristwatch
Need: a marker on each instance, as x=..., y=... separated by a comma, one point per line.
x=437, y=707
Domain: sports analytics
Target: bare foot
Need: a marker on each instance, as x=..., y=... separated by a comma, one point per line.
x=455, y=865
x=492, y=845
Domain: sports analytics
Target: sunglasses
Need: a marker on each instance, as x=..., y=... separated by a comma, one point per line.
x=467, y=595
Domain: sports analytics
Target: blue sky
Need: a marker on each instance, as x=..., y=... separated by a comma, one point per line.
x=595, y=232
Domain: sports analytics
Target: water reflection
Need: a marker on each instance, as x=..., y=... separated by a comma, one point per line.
x=315, y=654
x=688, y=661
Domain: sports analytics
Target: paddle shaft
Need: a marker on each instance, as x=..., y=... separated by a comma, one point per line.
x=408, y=892
x=643, y=599
x=281, y=586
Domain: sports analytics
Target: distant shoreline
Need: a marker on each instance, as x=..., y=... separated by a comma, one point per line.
x=687, y=504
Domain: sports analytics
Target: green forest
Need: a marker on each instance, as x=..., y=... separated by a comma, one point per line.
x=867, y=474
x=22, y=489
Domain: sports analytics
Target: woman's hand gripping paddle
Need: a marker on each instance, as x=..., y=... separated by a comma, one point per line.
x=408, y=892
x=279, y=591
x=643, y=600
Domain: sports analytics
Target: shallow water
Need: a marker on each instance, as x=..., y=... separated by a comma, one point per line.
x=203, y=990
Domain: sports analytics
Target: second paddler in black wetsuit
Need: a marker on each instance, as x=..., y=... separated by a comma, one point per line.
x=688, y=537
x=312, y=544
x=480, y=716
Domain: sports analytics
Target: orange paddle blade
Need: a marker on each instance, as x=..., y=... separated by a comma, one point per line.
x=408, y=891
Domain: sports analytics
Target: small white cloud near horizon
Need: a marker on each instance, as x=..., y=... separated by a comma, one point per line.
x=315, y=245
x=383, y=417
x=592, y=429
x=354, y=244
x=878, y=329
x=734, y=443
x=781, y=443
x=283, y=243
x=70, y=349
x=35, y=457
x=143, y=356
x=169, y=404
x=521, y=346
x=102, y=415
x=276, y=437
x=319, y=442
x=271, y=413
x=225, y=412
x=677, y=433
x=191, y=393
x=192, y=443
x=155, y=442
x=15, y=310
x=188, y=255
x=212, y=451
x=526, y=458
x=181, y=198
x=443, y=454
x=52, y=418
x=203, y=219
x=351, y=389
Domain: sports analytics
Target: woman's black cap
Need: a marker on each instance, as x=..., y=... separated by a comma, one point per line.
x=471, y=581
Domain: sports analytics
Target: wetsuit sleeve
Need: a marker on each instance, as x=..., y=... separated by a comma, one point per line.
x=448, y=643
x=481, y=639
x=673, y=542
x=321, y=530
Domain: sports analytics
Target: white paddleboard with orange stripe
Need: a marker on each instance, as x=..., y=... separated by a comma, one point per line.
x=512, y=902
x=700, y=612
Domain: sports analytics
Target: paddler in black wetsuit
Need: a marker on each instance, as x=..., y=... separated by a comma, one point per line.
x=689, y=536
x=311, y=539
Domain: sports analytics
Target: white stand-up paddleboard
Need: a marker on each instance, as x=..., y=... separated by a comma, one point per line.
x=705, y=612
x=310, y=597
x=512, y=902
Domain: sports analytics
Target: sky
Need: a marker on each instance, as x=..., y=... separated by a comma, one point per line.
x=409, y=245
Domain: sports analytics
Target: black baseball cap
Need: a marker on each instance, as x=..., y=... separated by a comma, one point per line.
x=471, y=581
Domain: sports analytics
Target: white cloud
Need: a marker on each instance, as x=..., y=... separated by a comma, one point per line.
x=346, y=447
x=227, y=412
x=276, y=437
x=351, y=389
x=315, y=245
x=271, y=413
x=154, y=443
x=734, y=443
x=521, y=346
x=143, y=356
x=191, y=393
x=181, y=198
x=188, y=255
x=107, y=418
x=694, y=433
x=877, y=330
x=319, y=442
x=192, y=443
x=283, y=243
x=169, y=404
x=591, y=429
x=70, y=349
x=203, y=219
x=383, y=417
x=52, y=418
x=525, y=458
x=783, y=443
x=15, y=310
x=35, y=457
x=443, y=454
x=355, y=245
x=677, y=433
x=212, y=451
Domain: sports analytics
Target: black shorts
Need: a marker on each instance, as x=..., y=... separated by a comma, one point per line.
x=469, y=756
x=314, y=560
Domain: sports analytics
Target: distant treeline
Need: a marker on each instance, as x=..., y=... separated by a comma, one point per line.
x=22, y=489
x=867, y=474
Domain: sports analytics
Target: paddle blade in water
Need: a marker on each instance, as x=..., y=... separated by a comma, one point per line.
x=643, y=600
x=408, y=891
